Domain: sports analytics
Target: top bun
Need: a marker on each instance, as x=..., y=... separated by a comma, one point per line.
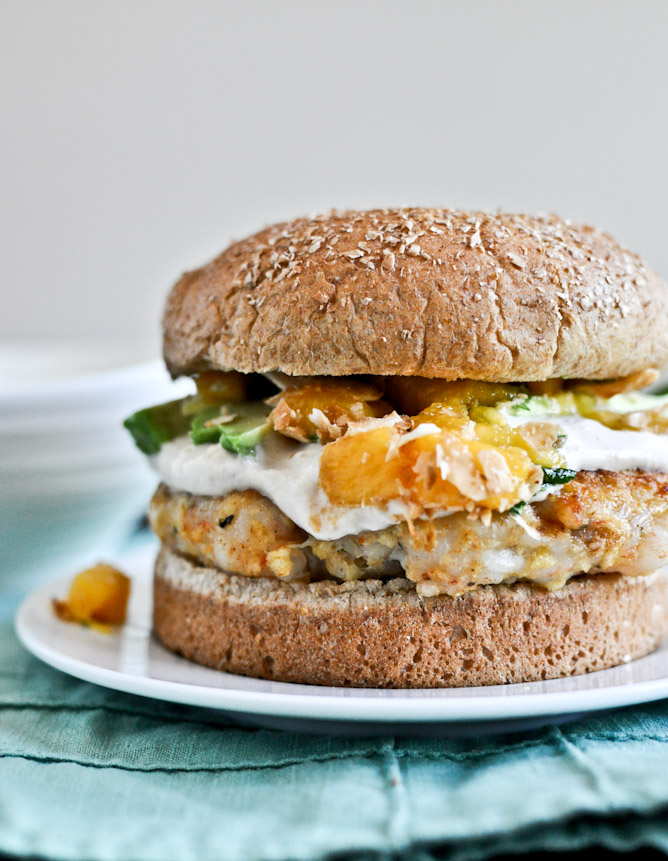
x=421, y=292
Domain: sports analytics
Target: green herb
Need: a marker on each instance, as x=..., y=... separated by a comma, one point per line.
x=558, y=475
x=551, y=476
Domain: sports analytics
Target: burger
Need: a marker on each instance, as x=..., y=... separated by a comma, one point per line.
x=420, y=453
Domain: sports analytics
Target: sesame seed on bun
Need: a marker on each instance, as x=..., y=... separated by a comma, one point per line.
x=421, y=292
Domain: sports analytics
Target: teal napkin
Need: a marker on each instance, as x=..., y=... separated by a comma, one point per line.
x=87, y=773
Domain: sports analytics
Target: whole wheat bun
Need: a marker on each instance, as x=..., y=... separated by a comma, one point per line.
x=427, y=292
x=375, y=634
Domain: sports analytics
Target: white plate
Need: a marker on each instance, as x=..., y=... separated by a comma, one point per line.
x=132, y=661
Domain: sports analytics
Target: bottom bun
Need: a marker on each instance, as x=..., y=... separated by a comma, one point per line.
x=382, y=634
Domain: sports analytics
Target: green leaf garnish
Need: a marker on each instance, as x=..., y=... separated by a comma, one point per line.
x=558, y=475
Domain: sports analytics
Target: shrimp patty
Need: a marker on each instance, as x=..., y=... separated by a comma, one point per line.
x=599, y=522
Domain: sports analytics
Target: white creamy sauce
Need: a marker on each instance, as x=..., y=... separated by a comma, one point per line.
x=287, y=473
x=591, y=445
x=284, y=471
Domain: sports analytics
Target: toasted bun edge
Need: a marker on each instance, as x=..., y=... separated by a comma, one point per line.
x=382, y=634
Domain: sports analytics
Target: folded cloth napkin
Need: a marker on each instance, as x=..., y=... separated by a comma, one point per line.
x=87, y=773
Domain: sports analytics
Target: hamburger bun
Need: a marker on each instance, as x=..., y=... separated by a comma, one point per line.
x=382, y=634
x=429, y=293
x=426, y=292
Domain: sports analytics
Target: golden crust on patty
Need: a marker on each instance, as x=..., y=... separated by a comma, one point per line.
x=601, y=521
x=241, y=532
x=582, y=502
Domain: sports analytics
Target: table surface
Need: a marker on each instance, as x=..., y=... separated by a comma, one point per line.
x=160, y=780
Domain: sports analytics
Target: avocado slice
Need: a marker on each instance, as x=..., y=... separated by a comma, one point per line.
x=201, y=431
x=152, y=427
x=239, y=434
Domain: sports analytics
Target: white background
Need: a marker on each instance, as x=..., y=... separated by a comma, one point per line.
x=139, y=137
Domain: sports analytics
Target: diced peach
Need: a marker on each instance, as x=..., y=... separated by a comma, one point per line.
x=442, y=470
x=356, y=469
x=97, y=595
x=537, y=439
x=443, y=416
x=323, y=410
x=217, y=387
x=462, y=470
x=411, y=395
